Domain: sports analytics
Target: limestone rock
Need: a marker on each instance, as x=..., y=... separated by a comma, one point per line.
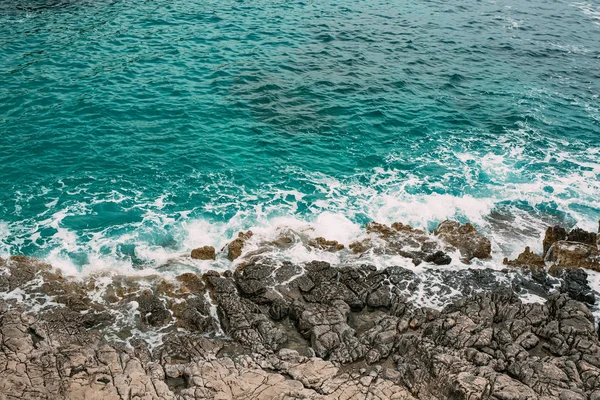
x=276, y=330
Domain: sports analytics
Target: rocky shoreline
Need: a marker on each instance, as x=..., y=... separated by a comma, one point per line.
x=273, y=329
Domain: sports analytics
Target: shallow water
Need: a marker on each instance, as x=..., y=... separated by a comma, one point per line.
x=133, y=131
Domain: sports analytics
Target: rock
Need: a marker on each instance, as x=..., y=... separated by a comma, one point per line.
x=152, y=310
x=438, y=258
x=360, y=247
x=575, y=255
x=194, y=315
x=304, y=331
x=581, y=236
x=243, y=320
x=400, y=239
x=235, y=247
x=190, y=283
x=204, y=253
x=330, y=335
x=553, y=235
x=326, y=245
x=527, y=259
x=380, y=229
x=575, y=284
x=466, y=239
x=22, y=270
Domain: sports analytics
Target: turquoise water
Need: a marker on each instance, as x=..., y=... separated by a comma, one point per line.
x=132, y=131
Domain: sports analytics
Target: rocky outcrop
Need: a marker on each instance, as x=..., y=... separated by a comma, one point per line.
x=402, y=240
x=466, y=239
x=527, y=259
x=575, y=255
x=575, y=283
x=234, y=248
x=204, y=253
x=553, y=235
x=274, y=329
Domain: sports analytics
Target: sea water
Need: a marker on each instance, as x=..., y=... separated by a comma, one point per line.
x=132, y=131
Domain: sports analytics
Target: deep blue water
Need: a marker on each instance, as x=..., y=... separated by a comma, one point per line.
x=133, y=130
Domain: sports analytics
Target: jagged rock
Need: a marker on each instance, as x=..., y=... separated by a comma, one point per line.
x=466, y=239
x=193, y=314
x=360, y=247
x=235, y=247
x=399, y=239
x=581, y=236
x=380, y=229
x=243, y=320
x=438, y=258
x=330, y=335
x=204, y=253
x=575, y=255
x=323, y=284
x=486, y=344
x=190, y=283
x=553, y=234
x=527, y=259
x=152, y=310
x=327, y=245
x=21, y=270
x=575, y=284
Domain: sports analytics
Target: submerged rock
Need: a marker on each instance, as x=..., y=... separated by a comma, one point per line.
x=204, y=253
x=466, y=239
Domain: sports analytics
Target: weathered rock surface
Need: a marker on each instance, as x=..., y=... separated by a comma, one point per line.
x=234, y=248
x=403, y=240
x=553, y=235
x=327, y=245
x=575, y=255
x=279, y=330
x=527, y=259
x=204, y=253
x=466, y=239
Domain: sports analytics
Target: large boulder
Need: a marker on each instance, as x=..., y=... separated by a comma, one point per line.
x=581, y=236
x=466, y=239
